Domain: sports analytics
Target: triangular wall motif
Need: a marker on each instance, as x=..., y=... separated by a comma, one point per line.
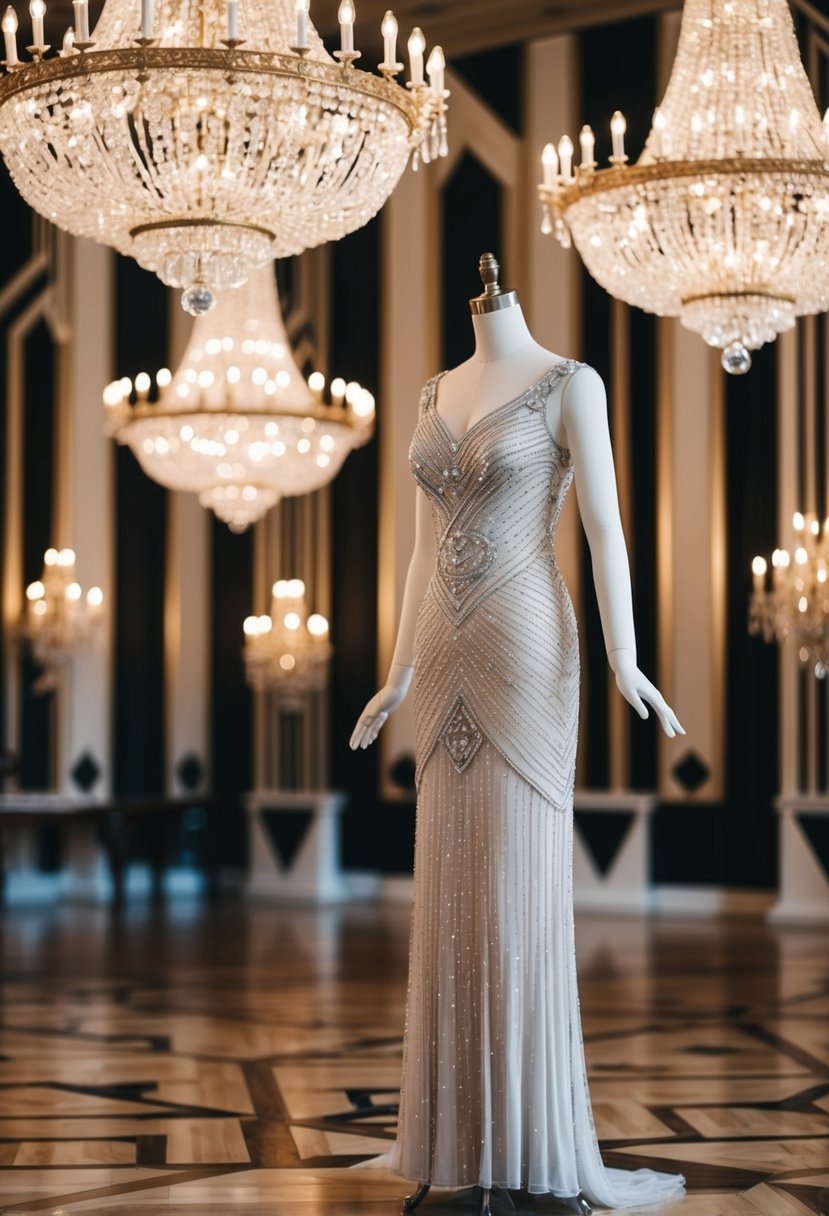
x=816, y=830
x=287, y=830
x=603, y=833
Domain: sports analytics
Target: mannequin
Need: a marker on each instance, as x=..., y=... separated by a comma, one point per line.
x=506, y=359
x=498, y=440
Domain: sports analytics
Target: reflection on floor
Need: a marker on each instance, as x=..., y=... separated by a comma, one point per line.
x=230, y=1061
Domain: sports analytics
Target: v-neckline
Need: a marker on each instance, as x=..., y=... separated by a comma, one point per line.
x=499, y=409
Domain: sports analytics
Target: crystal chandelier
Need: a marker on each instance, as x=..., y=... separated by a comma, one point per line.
x=238, y=424
x=288, y=652
x=793, y=606
x=724, y=220
x=214, y=135
x=58, y=618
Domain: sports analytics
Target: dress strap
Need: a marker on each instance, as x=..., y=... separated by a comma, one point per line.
x=427, y=394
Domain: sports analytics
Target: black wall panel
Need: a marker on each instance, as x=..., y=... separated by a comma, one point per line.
x=231, y=718
x=752, y=683
x=140, y=552
x=37, y=710
x=371, y=837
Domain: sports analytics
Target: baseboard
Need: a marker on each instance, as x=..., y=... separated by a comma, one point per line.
x=792, y=913
x=659, y=900
x=397, y=888
x=710, y=901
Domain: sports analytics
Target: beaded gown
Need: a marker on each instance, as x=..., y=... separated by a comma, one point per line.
x=494, y=1089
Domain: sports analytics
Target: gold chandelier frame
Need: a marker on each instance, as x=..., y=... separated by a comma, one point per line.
x=231, y=62
x=588, y=182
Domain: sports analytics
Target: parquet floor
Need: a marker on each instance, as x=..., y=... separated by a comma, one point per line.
x=235, y=1061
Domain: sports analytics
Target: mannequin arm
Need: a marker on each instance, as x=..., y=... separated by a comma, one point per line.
x=393, y=692
x=584, y=417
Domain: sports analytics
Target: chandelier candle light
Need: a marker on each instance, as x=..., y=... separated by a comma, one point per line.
x=207, y=139
x=58, y=618
x=238, y=424
x=287, y=652
x=724, y=219
x=790, y=603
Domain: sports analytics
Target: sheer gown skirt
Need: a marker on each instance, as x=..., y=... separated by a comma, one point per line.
x=494, y=1084
x=487, y=1095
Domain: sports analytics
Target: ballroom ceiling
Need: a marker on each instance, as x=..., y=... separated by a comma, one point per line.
x=462, y=27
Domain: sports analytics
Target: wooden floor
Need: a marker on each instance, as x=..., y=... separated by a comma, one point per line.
x=235, y=1061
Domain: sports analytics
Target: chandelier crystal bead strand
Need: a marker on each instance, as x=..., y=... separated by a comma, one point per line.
x=723, y=221
x=238, y=424
x=207, y=137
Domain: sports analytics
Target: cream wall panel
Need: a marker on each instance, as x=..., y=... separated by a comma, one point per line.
x=692, y=676
x=84, y=501
x=186, y=607
x=789, y=500
x=410, y=344
x=549, y=279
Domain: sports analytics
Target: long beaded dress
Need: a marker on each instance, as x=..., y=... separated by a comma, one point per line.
x=494, y=1089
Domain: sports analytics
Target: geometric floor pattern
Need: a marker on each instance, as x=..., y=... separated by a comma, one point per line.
x=234, y=1061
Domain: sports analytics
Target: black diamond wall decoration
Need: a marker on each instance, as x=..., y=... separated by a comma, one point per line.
x=402, y=772
x=603, y=834
x=190, y=772
x=287, y=830
x=86, y=772
x=691, y=772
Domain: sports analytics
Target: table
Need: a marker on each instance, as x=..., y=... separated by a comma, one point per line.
x=113, y=820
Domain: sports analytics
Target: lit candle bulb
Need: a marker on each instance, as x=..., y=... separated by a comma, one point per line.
x=345, y=16
x=565, y=156
x=142, y=386
x=316, y=383
x=9, y=27
x=549, y=163
x=658, y=136
x=618, y=126
x=68, y=46
x=388, y=29
x=81, y=8
x=416, y=48
x=587, y=143
x=302, y=24
x=337, y=390
x=758, y=570
x=317, y=625
x=37, y=11
x=146, y=18
x=798, y=522
x=435, y=66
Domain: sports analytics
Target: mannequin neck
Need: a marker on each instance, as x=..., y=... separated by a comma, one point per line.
x=500, y=334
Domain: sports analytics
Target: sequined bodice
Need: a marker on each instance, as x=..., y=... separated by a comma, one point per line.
x=496, y=648
x=496, y=492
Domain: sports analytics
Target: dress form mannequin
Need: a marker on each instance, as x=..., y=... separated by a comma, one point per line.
x=493, y=406
x=507, y=358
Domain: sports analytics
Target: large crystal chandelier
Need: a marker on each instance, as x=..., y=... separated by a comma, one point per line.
x=792, y=605
x=724, y=219
x=238, y=424
x=59, y=618
x=287, y=652
x=212, y=136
